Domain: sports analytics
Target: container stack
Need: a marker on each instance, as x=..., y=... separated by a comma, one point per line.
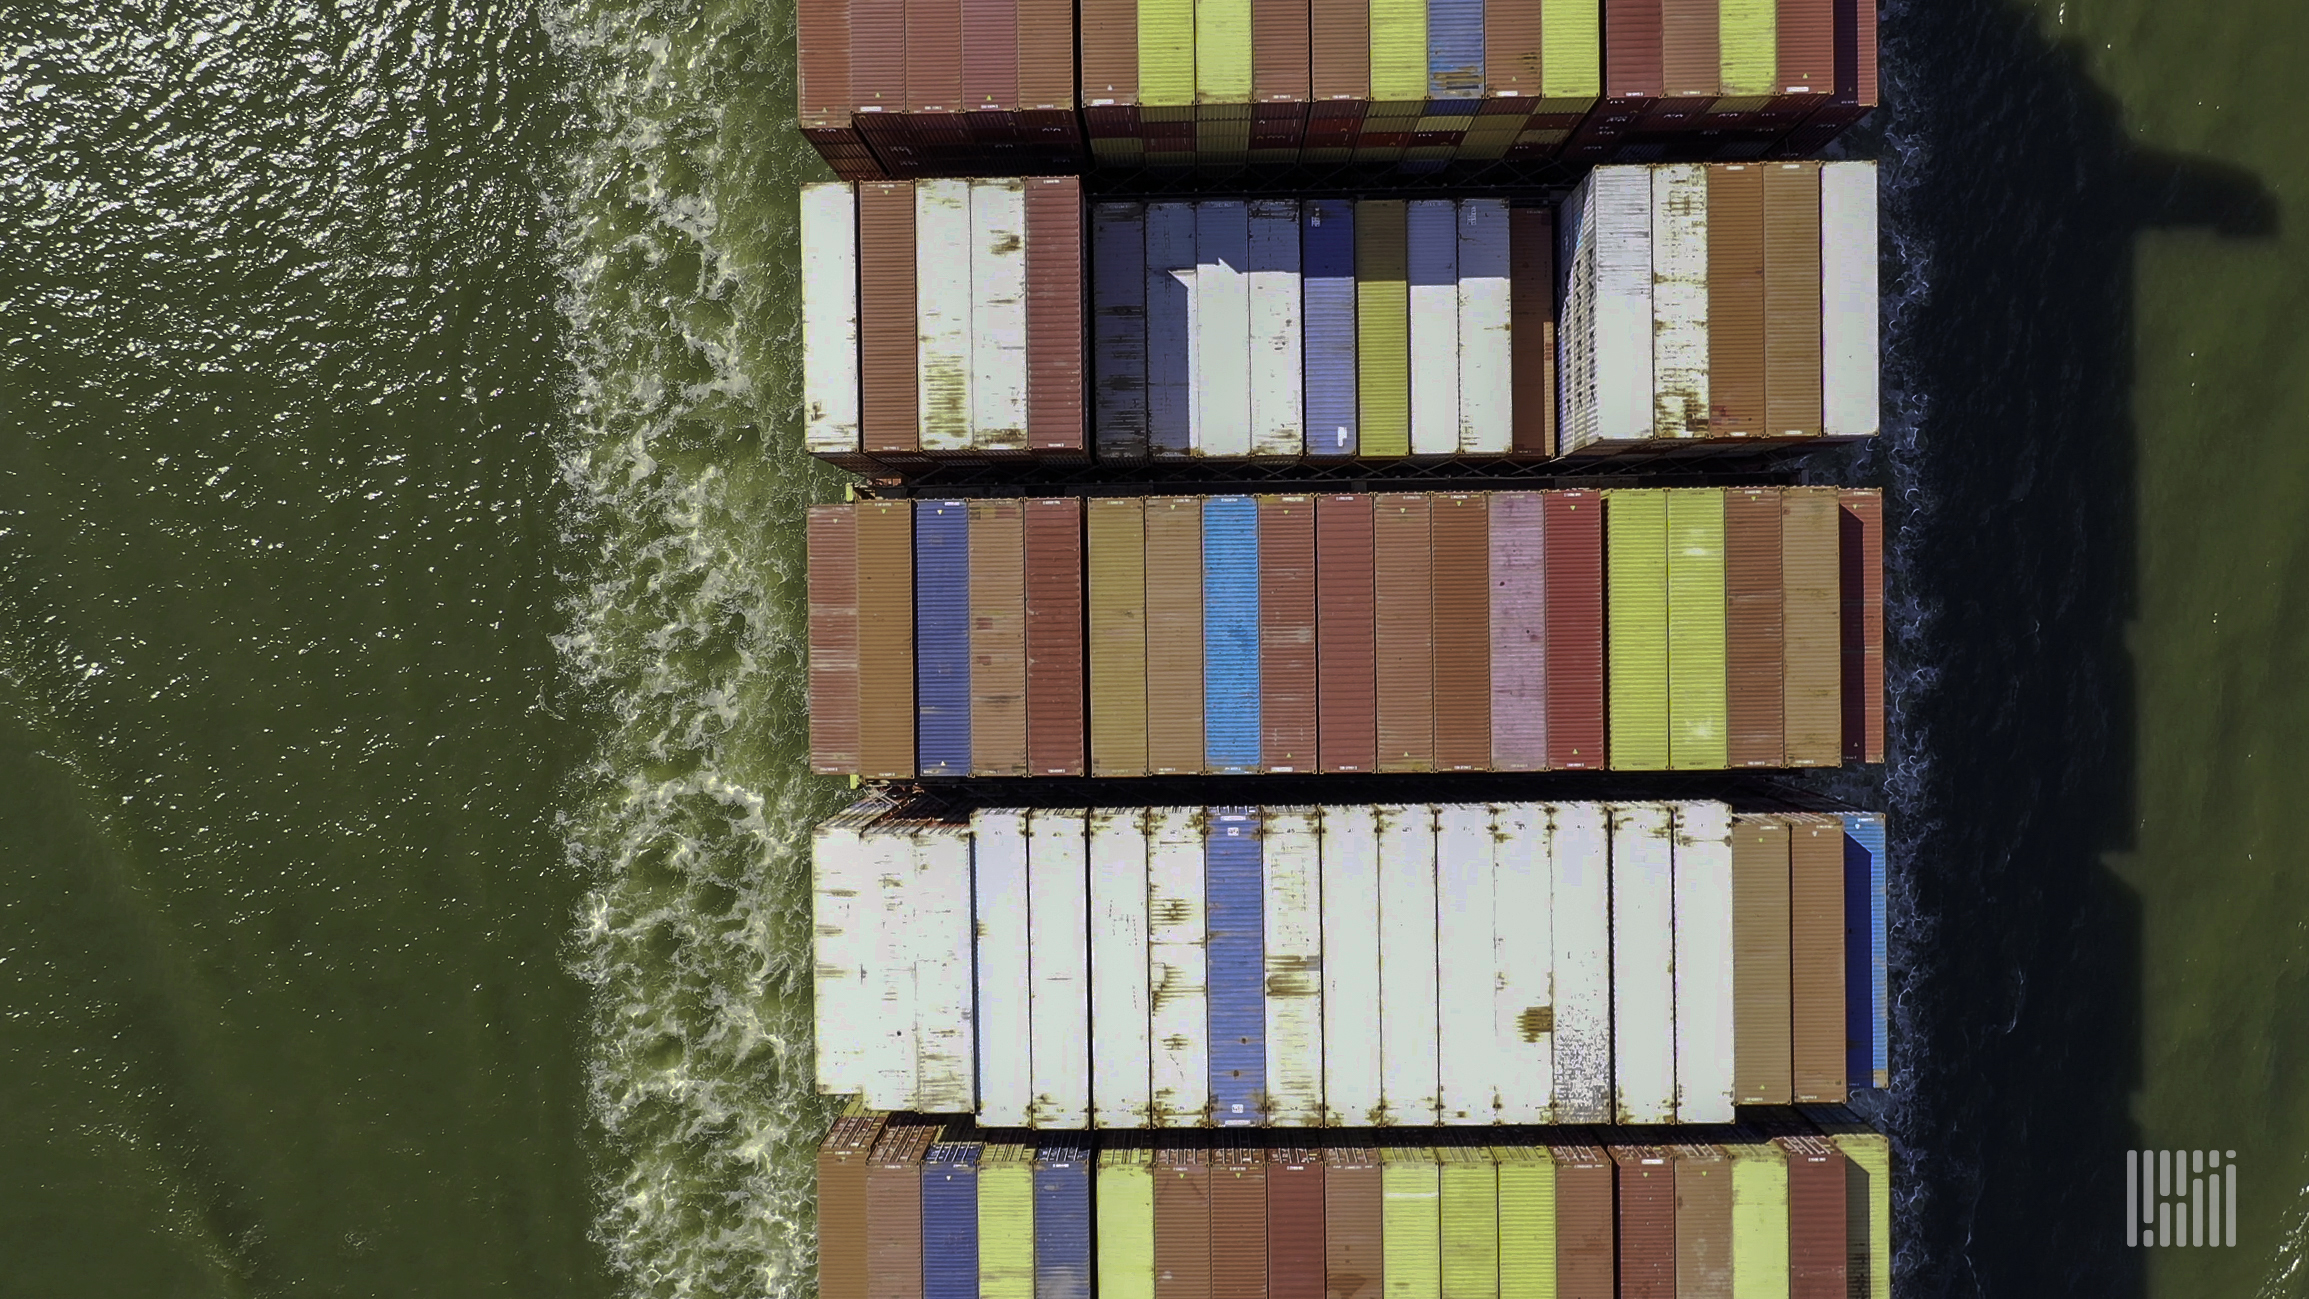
x=1319, y=644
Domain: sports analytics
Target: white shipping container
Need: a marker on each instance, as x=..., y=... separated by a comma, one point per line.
x=1351, y=1092
x=1576, y=412
x=1581, y=858
x=944, y=1042
x=1005, y=1034
x=1848, y=289
x=1291, y=851
x=1278, y=421
x=1643, y=960
x=942, y=312
x=893, y=1074
x=1523, y=954
x=842, y=898
x=1432, y=242
x=1486, y=348
x=1407, y=1065
x=1058, y=954
x=1222, y=322
x=1680, y=300
x=1704, y=1002
x=1119, y=1056
x=1623, y=303
x=1177, y=972
x=830, y=317
x=998, y=314
x=1465, y=982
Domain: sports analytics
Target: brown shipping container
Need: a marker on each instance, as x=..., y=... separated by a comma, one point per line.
x=1046, y=71
x=833, y=542
x=1294, y=1223
x=888, y=337
x=1174, y=643
x=1816, y=959
x=822, y=62
x=1761, y=1014
x=1461, y=525
x=1182, y=1223
x=934, y=56
x=1585, y=1248
x=1109, y=52
x=1861, y=562
x=1354, y=1219
x=1753, y=626
x=1792, y=299
x=1339, y=53
x=1238, y=1223
x=1054, y=587
x=1118, y=650
x=1690, y=64
x=842, y=1163
x=1403, y=611
x=1807, y=46
x=1647, y=1222
x=1531, y=326
x=1810, y=613
x=1736, y=300
x=997, y=638
x=1346, y=653
x=894, y=1214
x=1816, y=1198
x=885, y=639
x=1631, y=49
x=1513, y=36
x=1703, y=1222
x=1287, y=633
x=989, y=54
x=1575, y=704
x=878, y=56
x=1054, y=291
x=1279, y=57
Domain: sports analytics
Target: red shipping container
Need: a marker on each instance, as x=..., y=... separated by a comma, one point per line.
x=1287, y=704
x=1054, y=683
x=1575, y=684
x=1346, y=646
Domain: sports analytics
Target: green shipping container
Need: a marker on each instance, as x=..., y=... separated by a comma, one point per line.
x=1126, y=1223
x=1699, y=728
x=1166, y=53
x=1006, y=1222
x=1411, y=1236
x=1470, y=1211
x=1383, y=327
x=1759, y=1220
x=1635, y=568
x=1748, y=45
x=1526, y=1222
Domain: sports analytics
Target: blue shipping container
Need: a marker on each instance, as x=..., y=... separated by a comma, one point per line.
x=1328, y=301
x=1118, y=249
x=1061, y=1223
x=1170, y=265
x=1454, y=54
x=1866, y=1002
x=1230, y=634
x=1235, y=950
x=942, y=637
x=950, y=1221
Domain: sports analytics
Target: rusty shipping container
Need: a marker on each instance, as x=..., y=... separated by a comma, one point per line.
x=1174, y=643
x=1182, y=1206
x=1287, y=706
x=1354, y=1214
x=1754, y=682
x=1816, y=947
x=1761, y=976
x=1812, y=699
x=1586, y=1245
x=998, y=704
x=1346, y=653
x=1238, y=1222
x=833, y=548
x=1575, y=629
x=1118, y=636
x=1051, y=540
x=888, y=348
x=1461, y=528
x=842, y=1161
x=1295, y=1233
x=1402, y=581
x=885, y=639
x=1861, y=549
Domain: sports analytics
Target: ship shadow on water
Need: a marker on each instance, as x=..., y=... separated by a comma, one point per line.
x=2014, y=201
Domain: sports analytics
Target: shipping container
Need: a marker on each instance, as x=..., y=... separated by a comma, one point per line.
x=1411, y=1236
x=1527, y=1267
x=1170, y=327
x=941, y=927
x=1062, y=1222
x=1352, y=1093
x=942, y=314
x=1174, y=644
x=1867, y=995
x=1816, y=953
x=1286, y=633
x=1848, y=296
x=894, y=1212
x=1861, y=580
x=1182, y=1209
x=1052, y=545
x=1119, y=319
x=845, y=932
x=1238, y=1222
x=1486, y=308
x=830, y=319
x=1697, y=726
x=1294, y=1262
x=1642, y=964
x=1532, y=330
x=1581, y=912
x=1120, y=1049
x=1575, y=629
x=885, y=582
x=996, y=636
x=1706, y=1009
x=1354, y=1220
x=893, y=1070
x=1818, y=1187
x=1006, y=1218
x=1407, y=965
x=1460, y=531
x=1811, y=607
x=1679, y=298
x=842, y=1161
x=1220, y=354
x=1735, y=225
x=1517, y=562
x=1522, y=944
x=1005, y=1031
x=950, y=1221
x=1586, y=1244
x=1235, y=957
x=1760, y=961
x=1469, y=1210
x=1759, y=1218
x=1623, y=313
x=1402, y=599
x=1177, y=998
x=1753, y=628
x=1290, y=848
x=1382, y=322
x=1431, y=242
x=1328, y=244
x=1637, y=534
x=996, y=266
x=1347, y=651
x=1058, y=926
x=1126, y=1221
x=1116, y=579
x=888, y=331
x=1054, y=316
x=832, y=536
x=942, y=637
x=1277, y=422
x=1645, y=1195
x=1792, y=312
x=1867, y=1202
x=1465, y=925
x=1230, y=577
x=1703, y=1221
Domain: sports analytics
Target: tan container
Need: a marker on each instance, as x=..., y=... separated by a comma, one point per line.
x=1346, y=651
x=997, y=638
x=1118, y=682
x=1354, y=1222
x=1792, y=299
x=1586, y=1244
x=1182, y=1213
x=1736, y=300
x=842, y=1159
x=885, y=639
x=1460, y=524
x=1174, y=643
x=1812, y=702
x=1754, y=681
x=1703, y=1222
x=1816, y=959
x=1761, y=1014
x=1403, y=611
x=1287, y=709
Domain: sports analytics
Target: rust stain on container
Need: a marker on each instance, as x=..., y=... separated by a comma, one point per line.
x=1817, y=1190
x=842, y=1160
x=1054, y=590
x=1403, y=612
x=833, y=542
x=1761, y=1046
x=1238, y=1222
x=1354, y=1217
x=1753, y=626
x=1703, y=1221
x=1054, y=294
x=1182, y=1213
x=1287, y=705
x=1812, y=704
x=1861, y=565
x=1531, y=320
x=1174, y=643
x=1346, y=652
x=885, y=639
x=894, y=1213
x=1586, y=1246
x=1792, y=299
x=1460, y=524
x=888, y=339
x=1816, y=959
x=1647, y=1221
x=1118, y=642
x=1736, y=300
x=1575, y=657
x=997, y=638
x=1295, y=1234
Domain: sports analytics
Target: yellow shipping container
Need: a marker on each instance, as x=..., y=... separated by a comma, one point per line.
x=1117, y=573
x=1410, y=1235
x=1166, y=53
x=1223, y=52
x=1526, y=1222
x=1382, y=328
x=1006, y=1222
x=1759, y=1219
x=1699, y=729
x=1636, y=581
x=1748, y=36
x=1126, y=1223
x=1470, y=1212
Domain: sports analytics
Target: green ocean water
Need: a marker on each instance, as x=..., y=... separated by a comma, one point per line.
x=402, y=824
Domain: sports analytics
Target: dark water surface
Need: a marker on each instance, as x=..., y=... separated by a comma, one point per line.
x=402, y=830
